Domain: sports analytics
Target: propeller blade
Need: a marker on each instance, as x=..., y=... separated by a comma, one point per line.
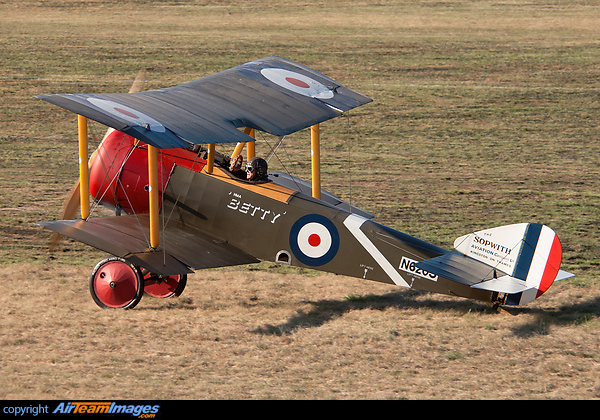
x=69, y=209
x=138, y=83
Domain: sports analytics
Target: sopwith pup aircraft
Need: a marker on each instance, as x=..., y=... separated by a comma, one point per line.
x=181, y=206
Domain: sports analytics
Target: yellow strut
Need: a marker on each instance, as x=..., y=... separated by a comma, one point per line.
x=238, y=149
x=211, y=158
x=240, y=146
x=153, y=196
x=84, y=174
x=315, y=159
x=251, y=149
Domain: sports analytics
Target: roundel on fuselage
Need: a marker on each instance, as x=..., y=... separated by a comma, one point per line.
x=314, y=240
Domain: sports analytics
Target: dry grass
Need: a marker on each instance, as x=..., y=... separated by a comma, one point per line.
x=262, y=334
x=485, y=113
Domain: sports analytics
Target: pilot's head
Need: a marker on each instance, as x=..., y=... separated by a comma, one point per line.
x=256, y=168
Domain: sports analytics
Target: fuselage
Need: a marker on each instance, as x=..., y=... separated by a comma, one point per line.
x=271, y=220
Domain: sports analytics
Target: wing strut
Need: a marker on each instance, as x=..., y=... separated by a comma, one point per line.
x=84, y=175
x=210, y=164
x=84, y=181
x=240, y=146
x=153, y=196
x=250, y=150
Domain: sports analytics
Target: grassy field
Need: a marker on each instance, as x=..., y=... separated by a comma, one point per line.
x=485, y=113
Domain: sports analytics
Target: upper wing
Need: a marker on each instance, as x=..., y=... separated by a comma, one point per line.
x=126, y=236
x=272, y=94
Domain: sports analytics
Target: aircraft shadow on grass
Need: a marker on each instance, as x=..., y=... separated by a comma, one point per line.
x=578, y=313
x=324, y=311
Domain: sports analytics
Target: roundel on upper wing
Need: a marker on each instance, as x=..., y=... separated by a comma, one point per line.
x=298, y=83
x=314, y=240
x=128, y=114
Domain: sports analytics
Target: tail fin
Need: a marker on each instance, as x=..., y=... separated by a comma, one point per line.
x=527, y=252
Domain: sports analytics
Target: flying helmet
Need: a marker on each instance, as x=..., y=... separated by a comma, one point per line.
x=256, y=168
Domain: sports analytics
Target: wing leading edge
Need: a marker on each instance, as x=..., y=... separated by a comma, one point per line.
x=272, y=94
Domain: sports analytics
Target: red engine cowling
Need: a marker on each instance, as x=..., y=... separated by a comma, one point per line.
x=119, y=171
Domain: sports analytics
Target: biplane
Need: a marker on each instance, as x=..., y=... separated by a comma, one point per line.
x=181, y=206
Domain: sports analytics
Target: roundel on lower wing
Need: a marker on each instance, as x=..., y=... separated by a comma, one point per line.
x=123, y=112
x=314, y=240
x=298, y=83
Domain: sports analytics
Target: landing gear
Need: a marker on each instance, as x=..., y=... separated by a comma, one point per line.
x=164, y=287
x=116, y=283
x=498, y=299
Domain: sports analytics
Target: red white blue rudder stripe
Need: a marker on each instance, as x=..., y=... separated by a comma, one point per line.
x=540, y=258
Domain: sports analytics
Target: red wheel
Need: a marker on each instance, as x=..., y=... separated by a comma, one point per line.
x=115, y=283
x=164, y=287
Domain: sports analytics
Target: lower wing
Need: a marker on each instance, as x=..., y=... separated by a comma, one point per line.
x=182, y=250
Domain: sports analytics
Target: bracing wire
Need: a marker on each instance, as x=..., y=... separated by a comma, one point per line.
x=274, y=153
x=347, y=115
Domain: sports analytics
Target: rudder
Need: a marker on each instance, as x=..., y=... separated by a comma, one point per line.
x=527, y=252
